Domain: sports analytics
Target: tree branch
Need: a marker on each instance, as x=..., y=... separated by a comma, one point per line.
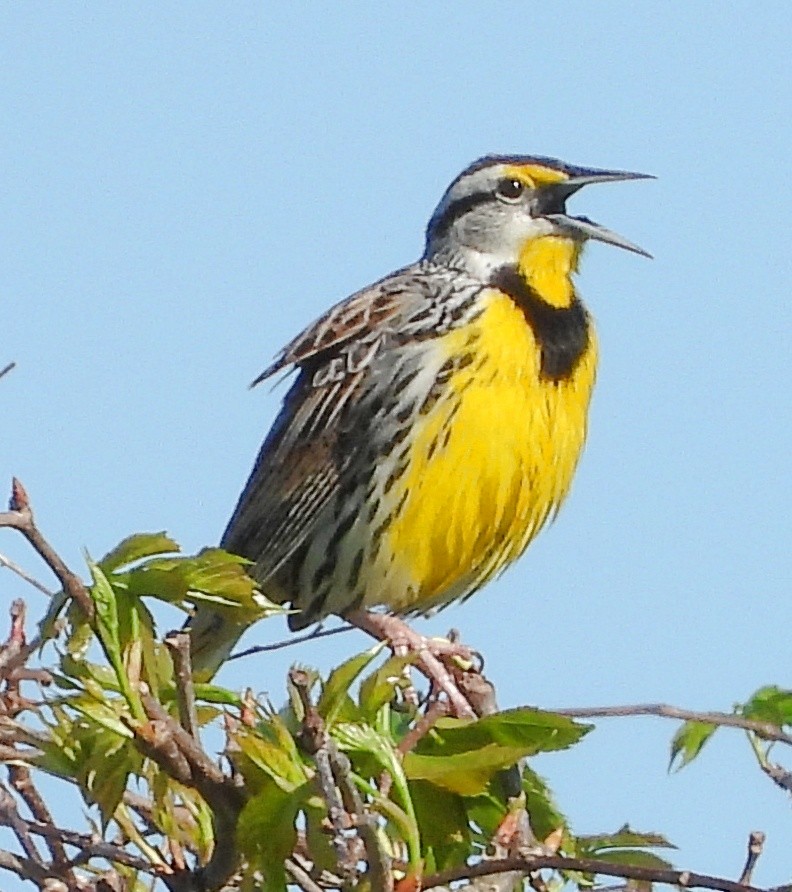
x=165, y=741
x=755, y=845
x=22, y=782
x=683, y=878
x=766, y=730
x=10, y=817
x=23, y=574
x=178, y=643
x=22, y=867
x=318, y=632
x=20, y=517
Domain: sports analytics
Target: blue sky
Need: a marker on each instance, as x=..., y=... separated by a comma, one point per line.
x=184, y=186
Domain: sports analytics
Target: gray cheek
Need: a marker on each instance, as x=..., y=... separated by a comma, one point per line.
x=488, y=230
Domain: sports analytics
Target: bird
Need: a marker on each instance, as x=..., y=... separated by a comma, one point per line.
x=436, y=417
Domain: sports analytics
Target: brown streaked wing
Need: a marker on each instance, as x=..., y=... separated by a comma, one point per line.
x=298, y=468
x=360, y=313
x=295, y=475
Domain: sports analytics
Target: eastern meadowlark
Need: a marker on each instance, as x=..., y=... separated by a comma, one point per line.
x=437, y=416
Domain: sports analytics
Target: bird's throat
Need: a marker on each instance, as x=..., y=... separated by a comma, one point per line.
x=547, y=265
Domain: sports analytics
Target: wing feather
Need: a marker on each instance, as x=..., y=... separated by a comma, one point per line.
x=311, y=447
x=300, y=464
x=362, y=312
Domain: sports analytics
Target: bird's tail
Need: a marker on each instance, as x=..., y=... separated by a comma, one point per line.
x=213, y=636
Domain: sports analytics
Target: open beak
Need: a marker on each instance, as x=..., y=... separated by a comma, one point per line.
x=584, y=228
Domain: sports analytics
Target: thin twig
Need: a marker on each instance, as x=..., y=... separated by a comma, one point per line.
x=20, y=517
x=91, y=846
x=778, y=774
x=380, y=865
x=755, y=845
x=684, y=878
x=24, y=868
x=182, y=756
x=16, y=640
x=9, y=815
x=315, y=741
x=7, y=369
x=319, y=632
x=766, y=730
x=436, y=710
x=22, y=781
x=23, y=574
x=300, y=877
x=178, y=643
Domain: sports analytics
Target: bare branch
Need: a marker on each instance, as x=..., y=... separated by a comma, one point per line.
x=6, y=369
x=755, y=845
x=23, y=574
x=683, y=878
x=16, y=640
x=436, y=710
x=778, y=775
x=91, y=847
x=165, y=741
x=22, y=867
x=315, y=741
x=9, y=815
x=318, y=632
x=765, y=730
x=300, y=877
x=22, y=781
x=20, y=517
x=178, y=643
x=200, y=773
x=380, y=867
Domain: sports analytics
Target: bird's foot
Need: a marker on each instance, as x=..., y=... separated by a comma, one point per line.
x=444, y=661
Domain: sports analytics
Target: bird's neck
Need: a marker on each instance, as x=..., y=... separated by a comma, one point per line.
x=547, y=265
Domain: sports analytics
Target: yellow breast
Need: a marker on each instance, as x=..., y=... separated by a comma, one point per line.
x=489, y=463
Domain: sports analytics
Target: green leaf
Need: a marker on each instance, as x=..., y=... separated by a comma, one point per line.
x=319, y=841
x=109, y=632
x=181, y=814
x=56, y=760
x=688, y=743
x=137, y=547
x=354, y=737
x=213, y=576
x=624, y=838
x=104, y=599
x=83, y=670
x=102, y=714
x=269, y=753
x=769, y=704
x=108, y=760
x=364, y=740
x=529, y=730
x=465, y=773
x=634, y=857
x=266, y=831
x=212, y=693
x=443, y=819
x=335, y=691
x=540, y=804
x=485, y=813
x=380, y=687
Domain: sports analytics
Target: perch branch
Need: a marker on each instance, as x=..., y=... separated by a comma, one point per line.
x=766, y=730
x=20, y=517
x=685, y=879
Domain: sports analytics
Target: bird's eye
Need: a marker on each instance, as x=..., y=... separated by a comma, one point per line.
x=510, y=190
